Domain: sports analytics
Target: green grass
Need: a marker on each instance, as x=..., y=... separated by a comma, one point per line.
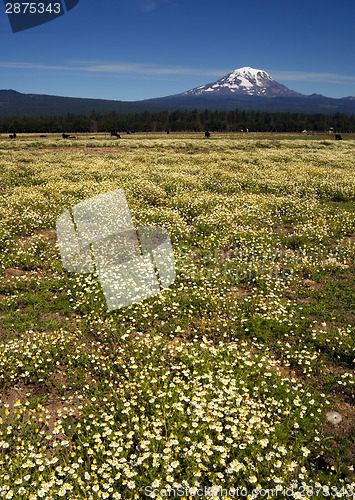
x=222, y=380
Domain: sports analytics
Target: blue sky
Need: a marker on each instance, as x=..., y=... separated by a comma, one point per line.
x=137, y=49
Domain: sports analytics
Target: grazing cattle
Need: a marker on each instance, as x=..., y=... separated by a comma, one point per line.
x=43, y=135
x=207, y=134
x=115, y=134
x=338, y=137
x=67, y=136
x=12, y=136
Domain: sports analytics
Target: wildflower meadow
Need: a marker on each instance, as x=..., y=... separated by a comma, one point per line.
x=237, y=381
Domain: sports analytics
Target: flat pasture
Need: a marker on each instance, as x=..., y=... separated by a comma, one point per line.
x=239, y=375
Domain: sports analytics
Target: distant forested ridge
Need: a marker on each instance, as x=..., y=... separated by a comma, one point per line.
x=181, y=121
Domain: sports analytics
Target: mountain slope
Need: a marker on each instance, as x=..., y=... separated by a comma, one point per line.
x=244, y=82
x=252, y=89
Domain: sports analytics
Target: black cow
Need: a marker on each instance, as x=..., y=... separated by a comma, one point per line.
x=338, y=137
x=12, y=136
x=67, y=136
x=207, y=134
x=115, y=134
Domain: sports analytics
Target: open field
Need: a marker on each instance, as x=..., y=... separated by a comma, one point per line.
x=226, y=378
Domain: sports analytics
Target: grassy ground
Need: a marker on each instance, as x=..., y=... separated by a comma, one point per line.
x=223, y=380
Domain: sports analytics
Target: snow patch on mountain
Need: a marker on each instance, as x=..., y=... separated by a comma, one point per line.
x=244, y=81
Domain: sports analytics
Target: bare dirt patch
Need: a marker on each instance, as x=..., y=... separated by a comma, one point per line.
x=22, y=393
x=50, y=315
x=285, y=371
x=238, y=292
x=314, y=285
x=13, y=274
x=282, y=229
x=49, y=235
x=52, y=406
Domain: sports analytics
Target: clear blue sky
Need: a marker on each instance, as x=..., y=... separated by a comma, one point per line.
x=137, y=49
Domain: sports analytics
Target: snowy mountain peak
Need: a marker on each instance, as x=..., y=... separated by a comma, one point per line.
x=245, y=81
x=251, y=75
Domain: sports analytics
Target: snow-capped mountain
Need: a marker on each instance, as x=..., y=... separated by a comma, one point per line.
x=244, y=82
x=249, y=88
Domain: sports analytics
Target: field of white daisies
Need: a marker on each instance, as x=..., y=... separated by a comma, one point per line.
x=235, y=382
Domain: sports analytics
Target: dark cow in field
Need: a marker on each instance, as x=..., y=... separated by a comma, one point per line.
x=67, y=136
x=12, y=136
x=338, y=137
x=207, y=134
x=115, y=134
x=42, y=135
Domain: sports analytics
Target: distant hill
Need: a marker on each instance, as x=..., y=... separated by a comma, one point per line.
x=245, y=89
x=14, y=103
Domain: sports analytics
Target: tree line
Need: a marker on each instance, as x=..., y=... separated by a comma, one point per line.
x=181, y=121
